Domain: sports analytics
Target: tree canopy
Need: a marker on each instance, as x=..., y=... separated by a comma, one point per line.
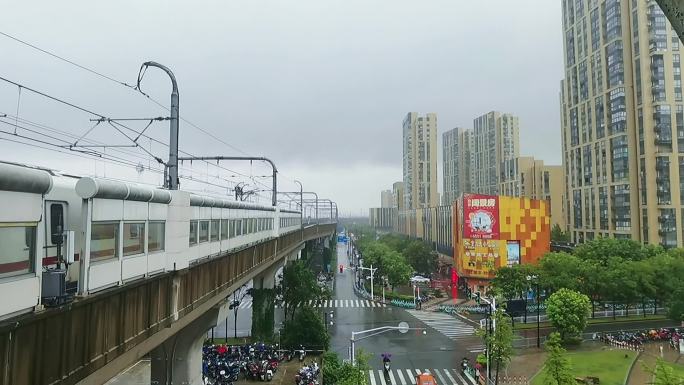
x=557, y=367
x=568, y=311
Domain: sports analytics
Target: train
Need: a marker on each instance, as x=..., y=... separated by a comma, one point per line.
x=63, y=235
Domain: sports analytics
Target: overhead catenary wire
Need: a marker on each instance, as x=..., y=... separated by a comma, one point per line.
x=122, y=83
x=101, y=116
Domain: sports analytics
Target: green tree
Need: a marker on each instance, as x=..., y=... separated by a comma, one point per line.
x=306, y=328
x=620, y=285
x=396, y=269
x=663, y=374
x=568, y=311
x=420, y=256
x=298, y=286
x=602, y=249
x=499, y=343
x=592, y=281
x=557, y=235
x=336, y=372
x=558, y=370
x=559, y=270
x=511, y=281
x=675, y=306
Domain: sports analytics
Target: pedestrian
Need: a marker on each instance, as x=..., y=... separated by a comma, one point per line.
x=661, y=351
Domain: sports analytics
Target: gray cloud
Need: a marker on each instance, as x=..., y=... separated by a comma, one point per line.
x=319, y=86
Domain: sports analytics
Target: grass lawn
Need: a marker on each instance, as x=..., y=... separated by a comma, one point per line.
x=678, y=369
x=610, y=366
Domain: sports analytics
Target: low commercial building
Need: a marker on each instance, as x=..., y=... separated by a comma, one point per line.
x=491, y=231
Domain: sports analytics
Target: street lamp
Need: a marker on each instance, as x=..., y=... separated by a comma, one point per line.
x=535, y=280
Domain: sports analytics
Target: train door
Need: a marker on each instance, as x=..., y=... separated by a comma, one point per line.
x=56, y=223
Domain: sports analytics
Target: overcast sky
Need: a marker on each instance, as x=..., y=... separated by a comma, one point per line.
x=321, y=87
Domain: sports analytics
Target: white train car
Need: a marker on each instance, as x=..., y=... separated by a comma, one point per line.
x=100, y=233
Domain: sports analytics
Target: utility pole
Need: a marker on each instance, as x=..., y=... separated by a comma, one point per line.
x=170, y=179
x=274, y=200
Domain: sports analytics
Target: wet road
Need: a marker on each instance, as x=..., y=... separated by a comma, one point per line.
x=446, y=342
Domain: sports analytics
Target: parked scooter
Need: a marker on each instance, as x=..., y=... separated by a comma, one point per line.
x=301, y=353
x=265, y=371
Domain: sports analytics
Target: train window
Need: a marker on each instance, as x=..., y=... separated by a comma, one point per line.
x=238, y=227
x=203, y=231
x=214, y=230
x=56, y=223
x=133, y=238
x=193, y=233
x=224, y=229
x=155, y=236
x=232, y=228
x=104, y=240
x=17, y=253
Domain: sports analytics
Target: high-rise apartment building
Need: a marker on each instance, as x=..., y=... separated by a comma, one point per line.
x=452, y=168
x=622, y=120
x=398, y=194
x=495, y=139
x=527, y=177
x=387, y=199
x=420, y=160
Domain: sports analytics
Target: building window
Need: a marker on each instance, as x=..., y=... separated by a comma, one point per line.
x=667, y=228
x=133, y=238
x=18, y=251
x=156, y=236
x=620, y=161
x=104, y=241
x=214, y=230
x=203, y=231
x=663, y=180
x=193, y=232
x=224, y=229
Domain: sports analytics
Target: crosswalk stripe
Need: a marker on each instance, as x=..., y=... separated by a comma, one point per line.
x=357, y=302
x=401, y=377
x=456, y=372
x=418, y=371
x=441, y=379
x=446, y=372
x=391, y=376
x=372, y=377
x=372, y=303
x=382, y=377
x=409, y=374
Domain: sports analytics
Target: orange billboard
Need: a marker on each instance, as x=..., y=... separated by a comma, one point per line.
x=522, y=234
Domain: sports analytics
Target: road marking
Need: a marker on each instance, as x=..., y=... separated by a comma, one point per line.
x=445, y=324
x=372, y=303
x=372, y=377
x=464, y=378
x=391, y=376
x=410, y=375
x=401, y=377
x=446, y=371
x=357, y=302
x=441, y=379
x=382, y=377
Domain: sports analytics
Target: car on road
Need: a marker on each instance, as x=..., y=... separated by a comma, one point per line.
x=419, y=279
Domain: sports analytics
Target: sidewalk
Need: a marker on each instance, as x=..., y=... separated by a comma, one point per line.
x=639, y=374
